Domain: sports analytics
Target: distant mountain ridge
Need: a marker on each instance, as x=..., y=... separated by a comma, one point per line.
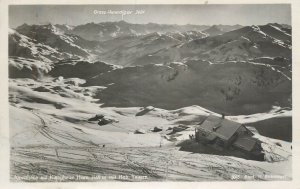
x=140, y=44
x=108, y=30
x=246, y=43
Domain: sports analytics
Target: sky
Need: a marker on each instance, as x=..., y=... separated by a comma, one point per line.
x=254, y=14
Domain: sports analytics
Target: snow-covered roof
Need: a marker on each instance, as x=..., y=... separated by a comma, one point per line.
x=222, y=128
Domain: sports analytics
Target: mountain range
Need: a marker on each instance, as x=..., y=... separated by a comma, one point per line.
x=232, y=69
x=150, y=43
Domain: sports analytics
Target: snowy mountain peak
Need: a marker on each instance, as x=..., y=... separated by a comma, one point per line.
x=11, y=31
x=213, y=31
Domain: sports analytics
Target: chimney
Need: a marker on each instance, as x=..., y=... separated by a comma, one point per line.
x=223, y=116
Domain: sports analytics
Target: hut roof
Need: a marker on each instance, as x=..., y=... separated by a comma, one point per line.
x=220, y=127
x=245, y=143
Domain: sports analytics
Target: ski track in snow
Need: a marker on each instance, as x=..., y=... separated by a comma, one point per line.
x=155, y=163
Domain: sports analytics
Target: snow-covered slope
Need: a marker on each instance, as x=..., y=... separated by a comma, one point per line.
x=51, y=38
x=242, y=44
x=139, y=48
x=234, y=87
x=276, y=111
x=52, y=123
x=23, y=46
x=27, y=68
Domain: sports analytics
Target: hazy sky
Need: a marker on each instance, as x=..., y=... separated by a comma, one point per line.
x=163, y=14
